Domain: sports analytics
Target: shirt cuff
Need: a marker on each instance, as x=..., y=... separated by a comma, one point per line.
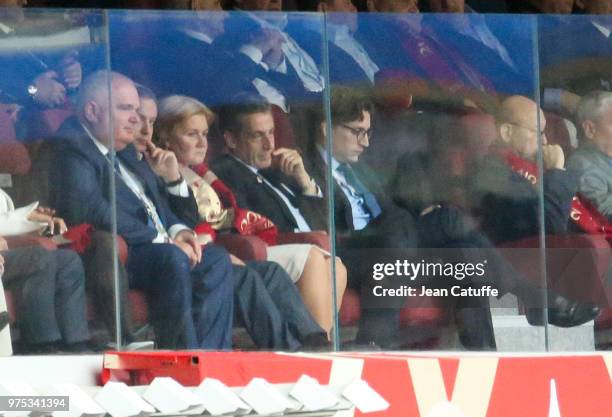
x=254, y=54
x=180, y=190
x=318, y=192
x=176, y=229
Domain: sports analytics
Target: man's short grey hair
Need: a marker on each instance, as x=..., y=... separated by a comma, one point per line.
x=593, y=104
x=96, y=87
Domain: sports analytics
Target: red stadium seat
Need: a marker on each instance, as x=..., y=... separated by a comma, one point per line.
x=14, y=157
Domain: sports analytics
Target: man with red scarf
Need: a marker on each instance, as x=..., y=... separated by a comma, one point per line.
x=505, y=184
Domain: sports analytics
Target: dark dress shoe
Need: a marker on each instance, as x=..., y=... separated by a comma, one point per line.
x=563, y=312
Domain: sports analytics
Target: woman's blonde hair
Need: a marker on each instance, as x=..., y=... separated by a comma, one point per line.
x=174, y=110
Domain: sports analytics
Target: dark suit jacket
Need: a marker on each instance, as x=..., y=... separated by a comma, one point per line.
x=486, y=61
x=16, y=73
x=80, y=187
x=261, y=198
x=387, y=39
x=186, y=209
x=170, y=62
x=418, y=182
x=509, y=205
x=239, y=28
x=400, y=50
x=393, y=228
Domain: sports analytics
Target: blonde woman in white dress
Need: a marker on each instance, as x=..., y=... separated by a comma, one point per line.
x=182, y=126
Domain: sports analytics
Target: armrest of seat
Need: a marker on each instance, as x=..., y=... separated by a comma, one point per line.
x=319, y=238
x=247, y=248
x=30, y=240
x=14, y=158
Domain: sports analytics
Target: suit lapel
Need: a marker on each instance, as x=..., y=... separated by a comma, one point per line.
x=82, y=141
x=342, y=207
x=144, y=174
x=257, y=184
x=141, y=170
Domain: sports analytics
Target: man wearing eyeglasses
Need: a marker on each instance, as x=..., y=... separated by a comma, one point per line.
x=504, y=185
x=369, y=225
x=505, y=191
x=371, y=228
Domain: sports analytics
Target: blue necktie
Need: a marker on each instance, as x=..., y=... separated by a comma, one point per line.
x=368, y=198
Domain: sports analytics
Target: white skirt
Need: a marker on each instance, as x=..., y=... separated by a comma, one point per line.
x=292, y=257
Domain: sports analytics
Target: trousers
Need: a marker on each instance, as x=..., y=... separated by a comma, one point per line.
x=100, y=284
x=271, y=308
x=52, y=286
x=448, y=234
x=190, y=308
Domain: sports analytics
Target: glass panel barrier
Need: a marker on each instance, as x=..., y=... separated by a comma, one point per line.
x=444, y=194
x=424, y=200
x=54, y=262
x=222, y=99
x=576, y=71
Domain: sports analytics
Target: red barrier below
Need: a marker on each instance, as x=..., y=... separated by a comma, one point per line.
x=415, y=385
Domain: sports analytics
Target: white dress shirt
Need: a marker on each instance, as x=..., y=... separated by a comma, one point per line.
x=302, y=63
x=361, y=216
x=264, y=88
x=295, y=212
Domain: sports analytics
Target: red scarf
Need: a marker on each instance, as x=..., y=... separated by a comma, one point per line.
x=80, y=235
x=246, y=222
x=583, y=213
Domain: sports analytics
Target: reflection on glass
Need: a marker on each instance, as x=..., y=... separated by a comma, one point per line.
x=575, y=77
x=453, y=174
x=284, y=305
x=47, y=259
x=444, y=176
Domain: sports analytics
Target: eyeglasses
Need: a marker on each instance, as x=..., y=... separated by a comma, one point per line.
x=359, y=133
x=531, y=129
